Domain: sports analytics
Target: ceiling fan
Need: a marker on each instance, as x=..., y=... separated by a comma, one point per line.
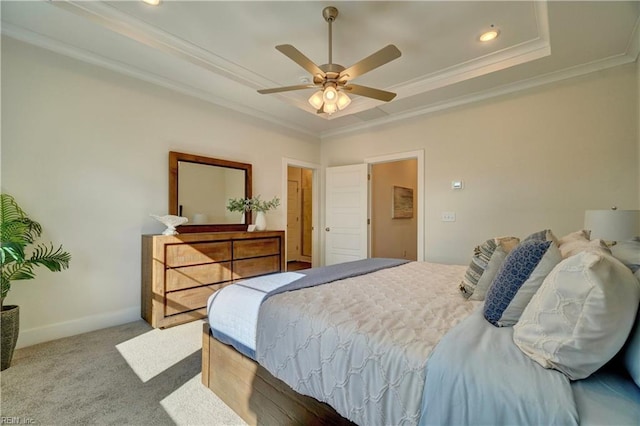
x=333, y=80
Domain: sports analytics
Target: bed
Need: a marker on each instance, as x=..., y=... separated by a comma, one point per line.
x=385, y=341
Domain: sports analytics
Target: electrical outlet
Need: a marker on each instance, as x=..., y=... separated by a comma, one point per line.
x=448, y=216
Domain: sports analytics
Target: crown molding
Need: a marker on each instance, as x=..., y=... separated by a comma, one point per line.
x=114, y=20
x=64, y=49
x=111, y=18
x=530, y=50
x=506, y=89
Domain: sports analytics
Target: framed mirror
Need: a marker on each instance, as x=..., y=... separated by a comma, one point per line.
x=200, y=187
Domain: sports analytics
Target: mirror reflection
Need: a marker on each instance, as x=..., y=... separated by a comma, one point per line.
x=200, y=187
x=203, y=191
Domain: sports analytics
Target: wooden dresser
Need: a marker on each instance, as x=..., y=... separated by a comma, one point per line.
x=180, y=272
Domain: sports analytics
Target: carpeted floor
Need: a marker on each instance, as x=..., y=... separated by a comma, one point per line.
x=126, y=375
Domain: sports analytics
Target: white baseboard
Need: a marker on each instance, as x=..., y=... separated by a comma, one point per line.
x=59, y=330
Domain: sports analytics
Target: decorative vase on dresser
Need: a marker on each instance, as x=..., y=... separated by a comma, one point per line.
x=180, y=272
x=261, y=221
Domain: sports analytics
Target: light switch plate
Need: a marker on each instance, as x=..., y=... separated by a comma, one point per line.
x=448, y=216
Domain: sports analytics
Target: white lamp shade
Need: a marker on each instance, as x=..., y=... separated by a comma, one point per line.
x=330, y=95
x=316, y=100
x=330, y=108
x=612, y=225
x=343, y=100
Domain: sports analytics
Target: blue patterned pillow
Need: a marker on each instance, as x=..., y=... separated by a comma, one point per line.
x=544, y=235
x=518, y=279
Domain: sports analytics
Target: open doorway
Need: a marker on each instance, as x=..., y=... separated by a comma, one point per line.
x=299, y=218
x=394, y=215
x=412, y=177
x=300, y=183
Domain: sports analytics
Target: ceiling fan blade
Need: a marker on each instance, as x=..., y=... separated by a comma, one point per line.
x=298, y=57
x=370, y=92
x=381, y=57
x=286, y=88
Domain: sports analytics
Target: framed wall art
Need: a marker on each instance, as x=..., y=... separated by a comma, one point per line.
x=402, y=203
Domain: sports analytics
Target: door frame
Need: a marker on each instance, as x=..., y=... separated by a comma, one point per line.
x=420, y=201
x=315, y=201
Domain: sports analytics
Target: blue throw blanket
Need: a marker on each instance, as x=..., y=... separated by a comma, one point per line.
x=340, y=271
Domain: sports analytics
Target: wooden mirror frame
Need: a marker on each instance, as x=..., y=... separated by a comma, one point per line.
x=174, y=158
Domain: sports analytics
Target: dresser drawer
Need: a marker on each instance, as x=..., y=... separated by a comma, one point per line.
x=253, y=267
x=186, y=300
x=258, y=247
x=194, y=276
x=196, y=253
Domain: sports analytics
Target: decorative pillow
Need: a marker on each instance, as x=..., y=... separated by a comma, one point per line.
x=581, y=315
x=575, y=247
x=518, y=279
x=504, y=245
x=574, y=241
x=583, y=234
x=627, y=252
x=479, y=261
x=544, y=235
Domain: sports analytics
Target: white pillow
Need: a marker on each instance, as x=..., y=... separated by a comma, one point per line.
x=583, y=234
x=581, y=315
x=575, y=247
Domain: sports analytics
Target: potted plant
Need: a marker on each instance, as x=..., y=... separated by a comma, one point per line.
x=254, y=204
x=17, y=233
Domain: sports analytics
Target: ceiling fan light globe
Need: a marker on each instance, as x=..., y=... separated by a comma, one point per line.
x=343, y=100
x=316, y=100
x=330, y=108
x=330, y=95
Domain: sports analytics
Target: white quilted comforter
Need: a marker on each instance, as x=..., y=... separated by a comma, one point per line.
x=361, y=344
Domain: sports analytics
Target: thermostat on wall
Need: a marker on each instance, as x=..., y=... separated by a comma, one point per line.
x=457, y=184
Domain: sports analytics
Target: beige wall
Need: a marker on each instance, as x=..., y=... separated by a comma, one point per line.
x=391, y=237
x=531, y=160
x=85, y=152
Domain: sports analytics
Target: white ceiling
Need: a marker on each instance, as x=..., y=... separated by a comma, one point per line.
x=223, y=52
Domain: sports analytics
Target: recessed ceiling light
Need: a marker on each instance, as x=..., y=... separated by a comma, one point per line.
x=490, y=34
x=152, y=2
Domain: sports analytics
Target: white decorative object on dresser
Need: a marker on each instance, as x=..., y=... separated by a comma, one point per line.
x=180, y=272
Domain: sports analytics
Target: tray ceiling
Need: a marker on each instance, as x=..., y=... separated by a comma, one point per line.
x=223, y=52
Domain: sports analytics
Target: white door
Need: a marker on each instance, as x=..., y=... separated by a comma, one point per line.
x=346, y=214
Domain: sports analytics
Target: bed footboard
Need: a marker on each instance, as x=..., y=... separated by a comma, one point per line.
x=255, y=394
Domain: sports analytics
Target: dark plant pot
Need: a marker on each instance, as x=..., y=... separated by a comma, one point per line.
x=10, y=328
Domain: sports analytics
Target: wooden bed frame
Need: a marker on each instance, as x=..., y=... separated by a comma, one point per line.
x=255, y=394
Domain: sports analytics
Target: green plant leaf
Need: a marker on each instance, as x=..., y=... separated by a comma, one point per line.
x=17, y=232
